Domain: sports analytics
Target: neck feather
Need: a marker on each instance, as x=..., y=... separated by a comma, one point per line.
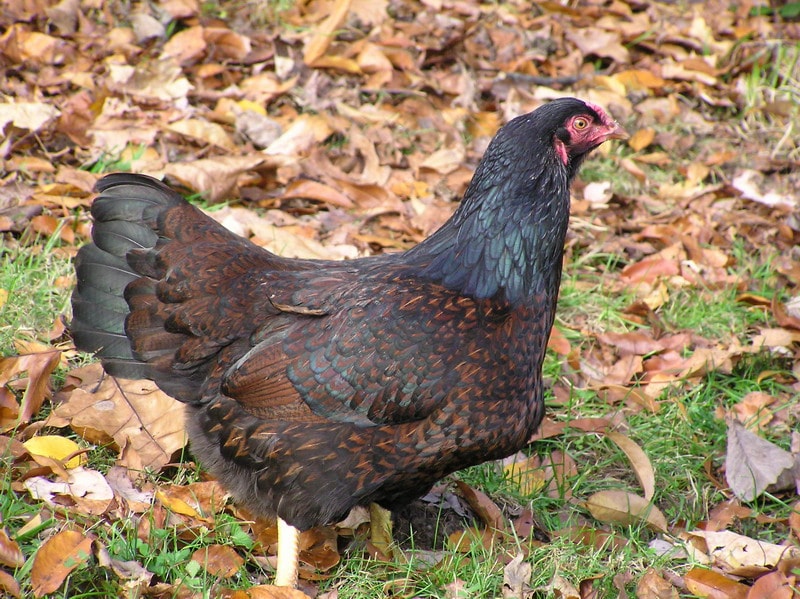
x=506, y=239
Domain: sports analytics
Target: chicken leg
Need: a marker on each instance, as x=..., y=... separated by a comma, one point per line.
x=288, y=555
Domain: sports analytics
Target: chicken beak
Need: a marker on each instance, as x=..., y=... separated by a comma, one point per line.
x=616, y=131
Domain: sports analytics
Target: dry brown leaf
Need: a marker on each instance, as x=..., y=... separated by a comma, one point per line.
x=196, y=500
x=314, y=190
x=305, y=132
x=641, y=138
x=216, y=178
x=592, y=40
x=639, y=460
x=621, y=507
x=444, y=161
x=184, y=46
x=56, y=558
x=739, y=555
x=203, y=131
x=653, y=586
x=794, y=520
x=319, y=548
x=517, y=578
x=558, y=342
x=10, y=585
x=84, y=489
x=753, y=410
x=10, y=553
x=561, y=588
x=637, y=343
x=33, y=116
x=135, y=414
x=649, y=269
x=318, y=45
x=775, y=585
x=264, y=591
x=39, y=367
x=486, y=509
x=713, y=585
x=227, y=43
x=279, y=240
x=219, y=560
x=752, y=464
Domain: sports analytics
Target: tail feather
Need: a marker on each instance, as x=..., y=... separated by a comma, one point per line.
x=148, y=298
x=125, y=217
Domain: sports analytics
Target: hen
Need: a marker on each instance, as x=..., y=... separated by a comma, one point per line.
x=315, y=386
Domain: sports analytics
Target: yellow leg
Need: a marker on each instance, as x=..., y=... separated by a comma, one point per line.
x=288, y=555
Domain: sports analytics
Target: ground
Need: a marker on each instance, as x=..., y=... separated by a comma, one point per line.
x=342, y=128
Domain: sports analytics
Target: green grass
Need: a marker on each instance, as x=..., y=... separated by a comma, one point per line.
x=678, y=439
x=34, y=278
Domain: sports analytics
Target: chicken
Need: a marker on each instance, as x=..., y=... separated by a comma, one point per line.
x=315, y=386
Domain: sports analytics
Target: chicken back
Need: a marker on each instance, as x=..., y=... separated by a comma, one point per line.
x=315, y=386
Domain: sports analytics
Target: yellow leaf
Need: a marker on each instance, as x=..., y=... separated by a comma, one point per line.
x=176, y=504
x=639, y=460
x=252, y=106
x=641, y=139
x=625, y=508
x=57, y=448
x=528, y=476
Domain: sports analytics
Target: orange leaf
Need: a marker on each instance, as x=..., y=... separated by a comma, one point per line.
x=713, y=585
x=794, y=520
x=775, y=585
x=487, y=509
x=649, y=270
x=39, y=368
x=56, y=558
x=324, y=35
x=10, y=553
x=219, y=560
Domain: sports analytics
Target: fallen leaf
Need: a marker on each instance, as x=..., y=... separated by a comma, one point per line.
x=739, y=555
x=713, y=585
x=486, y=509
x=641, y=138
x=39, y=367
x=774, y=585
x=560, y=588
x=516, y=578
x=10, y=553
x=621, y=507
x=324, y=33
x=794, y=520
x=652, y=585
x=134, y=414
x=219, y=560
x=639, y=460
x=56, y=558
x=33, y=116
x=57, y=448
x=752, y=464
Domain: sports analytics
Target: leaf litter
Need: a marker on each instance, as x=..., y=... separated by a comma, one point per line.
x=346, y=128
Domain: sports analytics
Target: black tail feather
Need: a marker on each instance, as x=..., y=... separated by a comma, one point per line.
x=124, y=219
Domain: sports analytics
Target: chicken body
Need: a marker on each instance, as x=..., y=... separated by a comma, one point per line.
x=316, y=386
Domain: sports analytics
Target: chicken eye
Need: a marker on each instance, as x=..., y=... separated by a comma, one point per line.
x=580, y=123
